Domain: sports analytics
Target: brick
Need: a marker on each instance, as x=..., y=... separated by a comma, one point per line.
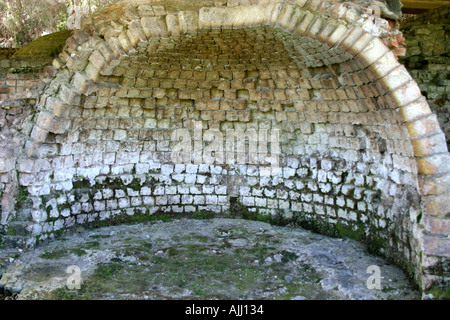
x=316, y=26
x=305, y=22
x=430, y=145
x=437, y=205
x=38, y=134
x=4, y=90
x=384, y=66
x=81, y=82
x=188, y=21
x=154, y=27
x=436, y=225
x=126, y=44
x=435, y=164
x=135, y=33
x=69, y=95
x=359, y=44
x=337, y=35
x=434, y=185
x=351, y=37
x=414, y=110
x=373, y=51
x=436, y=246
x=405, y=94
x=173, y=26
x=423, y=127
x=51, y=123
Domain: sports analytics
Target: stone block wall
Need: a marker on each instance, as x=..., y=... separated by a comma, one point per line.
x=294, y=112
x=23, y=78
x=427, y=59
x=116, y=159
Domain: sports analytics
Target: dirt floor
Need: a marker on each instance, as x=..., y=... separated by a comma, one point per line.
x=200, y=259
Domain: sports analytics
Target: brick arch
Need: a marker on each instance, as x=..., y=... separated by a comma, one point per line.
x=95, y=52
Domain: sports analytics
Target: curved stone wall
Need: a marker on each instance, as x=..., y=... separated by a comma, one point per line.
x=293, y=111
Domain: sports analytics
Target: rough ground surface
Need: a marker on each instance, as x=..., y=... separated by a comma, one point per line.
x=201, y=259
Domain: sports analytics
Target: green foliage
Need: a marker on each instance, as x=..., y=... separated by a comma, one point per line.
x=22, y=21
x=440, y=293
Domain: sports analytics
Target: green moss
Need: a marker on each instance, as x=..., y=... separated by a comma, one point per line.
x=10, y=232
x=264, y=217
x=440, y=293
x=419, y=217
x=237, y=209
x=135, y=185
x=172, y=252
x=48, y=46
x=108, y=270
x=92, y=244
x=100, y=236
x=78, y=252
x=22, y=198
x=54, y=254
x=162, y=217
x=140, y=218
x=81, y=184
x=201, y=215
x=190, y=265
x=63, y=206
x=288, y=256
x=348, y=232
x=118, y=184
x=375, y=243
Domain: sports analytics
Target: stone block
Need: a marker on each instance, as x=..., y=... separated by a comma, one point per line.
x=436, y=246
x=126, y=44
x=359, y=44
x=437, y=225
x=69, y=95
x=423, y=127
x=114, y=45
x=97, y=59
x=430, y=145
x=434, y=185
x=81, y=82
x=393, y=74
x=154, y=27
x=405, y=94
x=38, y=134
x=374, y=50
x=173, y=25
x=437, y=205
x=135, y=33
x=383, y=66
x=6, y=164
x=337, y=35
x=305, y=21
x=188, y=21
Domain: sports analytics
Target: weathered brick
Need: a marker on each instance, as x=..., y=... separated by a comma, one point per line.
x=188, y=21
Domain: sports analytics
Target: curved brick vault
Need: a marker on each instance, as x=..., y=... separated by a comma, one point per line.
x=361, y=153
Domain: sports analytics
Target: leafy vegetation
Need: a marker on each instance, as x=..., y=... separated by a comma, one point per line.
x=22, y=21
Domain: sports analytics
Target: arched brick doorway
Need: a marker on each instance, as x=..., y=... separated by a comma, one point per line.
x=361, y=154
